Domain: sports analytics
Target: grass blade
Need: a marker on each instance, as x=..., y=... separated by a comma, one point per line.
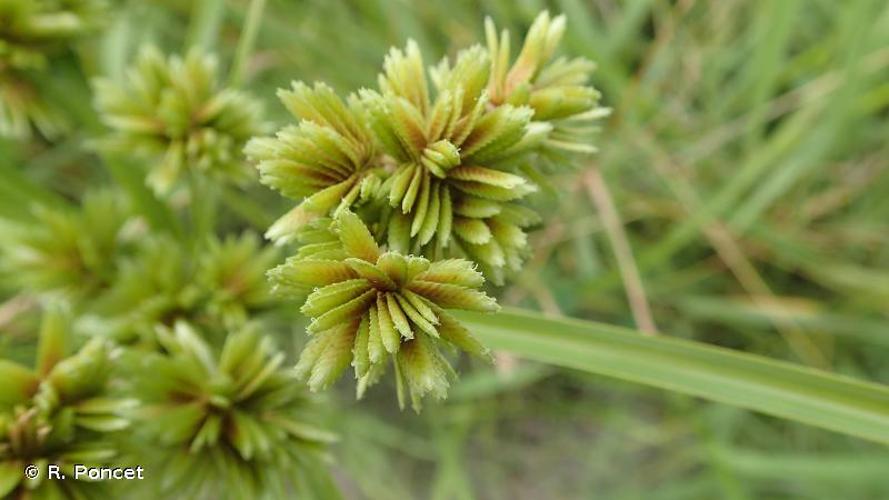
x=781, y=389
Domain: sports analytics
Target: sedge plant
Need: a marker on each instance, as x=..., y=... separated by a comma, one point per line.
x=411, y=200
x=412, y=195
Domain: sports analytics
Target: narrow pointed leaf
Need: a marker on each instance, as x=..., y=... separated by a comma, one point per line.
x=835, y=402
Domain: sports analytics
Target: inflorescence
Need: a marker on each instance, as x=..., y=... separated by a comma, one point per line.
x=411, y=194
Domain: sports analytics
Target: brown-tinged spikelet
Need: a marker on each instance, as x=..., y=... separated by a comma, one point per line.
x=324, y=161
x=370, y=306
x=455, y=160
x=410, y=195
x=557, y=89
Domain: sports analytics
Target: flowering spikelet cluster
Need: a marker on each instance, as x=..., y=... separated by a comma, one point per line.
x=60, y=413
x=451, y=187
x=556, y=89
x=232, y=271
x=161, y=282
x=228, y=425
x=65, y=251
x=369, y=306
x=433, y=167
x=31, y=33
x=100, y=259
x=174, y=112
x=325, y=161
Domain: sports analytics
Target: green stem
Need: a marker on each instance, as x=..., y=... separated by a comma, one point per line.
x=777, y=388
x=246, y=42
x=247, y=208
x=206, y=20
x=202, y=207
x=132, y=180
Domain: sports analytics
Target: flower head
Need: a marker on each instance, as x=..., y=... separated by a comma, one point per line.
x=400, y=184
x=174, y=112
x=234, y=423
x=324, y=161
x=161, y=282
x=232, y=273
x=370, y=305
x=154, y=285
x=66, y=251
x=60, y=413
x=455, y=156
x=32, y=33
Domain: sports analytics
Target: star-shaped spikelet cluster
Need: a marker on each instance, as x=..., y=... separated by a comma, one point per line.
x=231, y=423
x=371, y=306
x=175, y=113
x=411, y=194
x=440, y=159
x=61, y=412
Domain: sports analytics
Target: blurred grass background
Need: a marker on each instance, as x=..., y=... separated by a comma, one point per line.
x=747, y=157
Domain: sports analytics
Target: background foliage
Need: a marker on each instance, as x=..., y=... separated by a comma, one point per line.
x=746, y=156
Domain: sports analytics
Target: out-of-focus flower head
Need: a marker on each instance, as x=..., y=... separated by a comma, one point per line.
x=66, y=251
x=154, y=285
x=161, y=282
x=175, y=114
x=232, y=274
x=229, y=424
x=61, y=413
x=32, y=32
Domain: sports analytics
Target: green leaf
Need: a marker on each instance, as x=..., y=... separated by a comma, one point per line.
x=19, y=383
x=53, y=345
x=131, y=180
x=777, y=388
x=10, y=477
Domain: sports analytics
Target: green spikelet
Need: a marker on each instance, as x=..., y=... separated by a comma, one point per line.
x=556, y=89
x=174, y=113
x=451, y=151
x=232, y=424
x=33, y=35
x=322, y=161
x=60, y=413
x=370, y=306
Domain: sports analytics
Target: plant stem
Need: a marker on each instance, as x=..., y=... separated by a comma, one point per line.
x=731, y=253
x=206, y=19
x=246, y=42
x=601, y=197
x=202, y=208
